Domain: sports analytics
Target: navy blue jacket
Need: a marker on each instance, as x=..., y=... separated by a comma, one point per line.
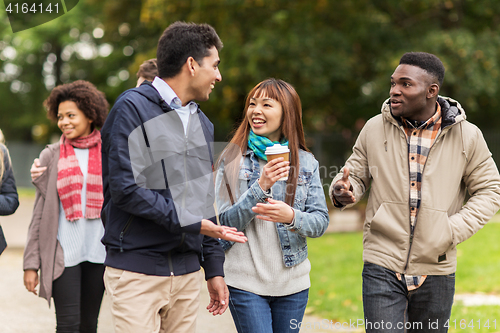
x=142, y=231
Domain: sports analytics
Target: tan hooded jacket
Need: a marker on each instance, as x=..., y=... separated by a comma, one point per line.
x=458, y=161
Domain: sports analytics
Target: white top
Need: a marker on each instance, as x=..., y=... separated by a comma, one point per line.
x=257, y=266
x=81, y=239
x=170, y=97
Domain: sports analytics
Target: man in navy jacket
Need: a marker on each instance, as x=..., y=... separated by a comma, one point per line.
x=158, y=191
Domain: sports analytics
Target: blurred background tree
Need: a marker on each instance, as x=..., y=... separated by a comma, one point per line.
x=338, y=54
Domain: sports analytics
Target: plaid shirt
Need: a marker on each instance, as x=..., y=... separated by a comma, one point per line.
x=420, y=138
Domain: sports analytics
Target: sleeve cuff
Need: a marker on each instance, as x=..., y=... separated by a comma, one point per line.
x=268, y=192
x=294, y=226
x=259, y=193
x=193, y=228
x=213, y=266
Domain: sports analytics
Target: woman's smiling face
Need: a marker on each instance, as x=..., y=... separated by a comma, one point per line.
x=265, y=116
x=72, y=121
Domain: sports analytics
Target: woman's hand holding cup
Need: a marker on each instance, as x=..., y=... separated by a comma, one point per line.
x=272, y=172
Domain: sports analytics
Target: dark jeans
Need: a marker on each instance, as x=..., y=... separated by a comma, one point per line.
x=267, y=314
x=390, y=307
x=77, y=297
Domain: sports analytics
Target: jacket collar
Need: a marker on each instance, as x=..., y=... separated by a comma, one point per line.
x=147, y=90
x=451, y=112
x=248, y=152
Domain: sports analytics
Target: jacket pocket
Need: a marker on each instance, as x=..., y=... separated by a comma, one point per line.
x=124, y=231
x=303, y=182
x=244, y=179
x=433, y=236
x=388, y=231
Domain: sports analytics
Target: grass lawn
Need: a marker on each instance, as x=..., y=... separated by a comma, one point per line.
x=336, y=261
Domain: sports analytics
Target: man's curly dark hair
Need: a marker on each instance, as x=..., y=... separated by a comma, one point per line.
x=427, y=61
x=86, y=96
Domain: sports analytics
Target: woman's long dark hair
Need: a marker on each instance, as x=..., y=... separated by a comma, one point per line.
x=291, y=129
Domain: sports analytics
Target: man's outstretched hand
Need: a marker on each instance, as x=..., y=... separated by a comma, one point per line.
x=342, y=189
x=221, y=231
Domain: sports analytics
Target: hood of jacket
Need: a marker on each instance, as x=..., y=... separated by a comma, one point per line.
x=452, y=112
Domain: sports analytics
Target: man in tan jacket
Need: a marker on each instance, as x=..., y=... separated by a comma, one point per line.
x=419, y=157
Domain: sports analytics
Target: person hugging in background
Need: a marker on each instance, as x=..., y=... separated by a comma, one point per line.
x=147, y=71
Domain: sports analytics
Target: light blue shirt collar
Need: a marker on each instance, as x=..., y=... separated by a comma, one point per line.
x=170, y=97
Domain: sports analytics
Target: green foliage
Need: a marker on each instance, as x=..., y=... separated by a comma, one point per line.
x=338, y=54
x=336, y=261
x=74, y=46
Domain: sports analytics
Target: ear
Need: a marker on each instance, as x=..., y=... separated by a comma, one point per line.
x=192, y=65
x=433, y=90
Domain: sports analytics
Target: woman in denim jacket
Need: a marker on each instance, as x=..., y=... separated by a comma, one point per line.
x=268, y=277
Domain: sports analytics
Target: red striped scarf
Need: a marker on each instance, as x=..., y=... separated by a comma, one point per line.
x=70, y=177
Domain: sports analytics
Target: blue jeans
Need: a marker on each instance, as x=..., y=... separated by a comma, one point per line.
x=267, y=314
x=389, y=306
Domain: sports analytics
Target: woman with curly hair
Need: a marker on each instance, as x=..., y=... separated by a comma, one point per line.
x=66, y=229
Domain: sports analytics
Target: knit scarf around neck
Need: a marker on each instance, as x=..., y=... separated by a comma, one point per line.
x=70, y=177
x=259, y=144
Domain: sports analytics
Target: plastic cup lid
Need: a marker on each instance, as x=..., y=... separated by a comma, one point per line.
x=277, y=149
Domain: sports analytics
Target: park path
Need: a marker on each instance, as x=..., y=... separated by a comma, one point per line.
x=23, y=312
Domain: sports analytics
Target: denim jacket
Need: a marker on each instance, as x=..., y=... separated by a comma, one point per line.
x=311, y=213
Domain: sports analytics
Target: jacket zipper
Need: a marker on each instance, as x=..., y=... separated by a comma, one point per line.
x=125, y=229
x=416, y=219
x=183, y=236
x=169, y=257
x=186, y=143
x=202, y=256
x=411, y=231
x=170, y=265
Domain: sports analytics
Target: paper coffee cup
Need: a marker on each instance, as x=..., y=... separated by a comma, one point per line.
x=277, y=151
